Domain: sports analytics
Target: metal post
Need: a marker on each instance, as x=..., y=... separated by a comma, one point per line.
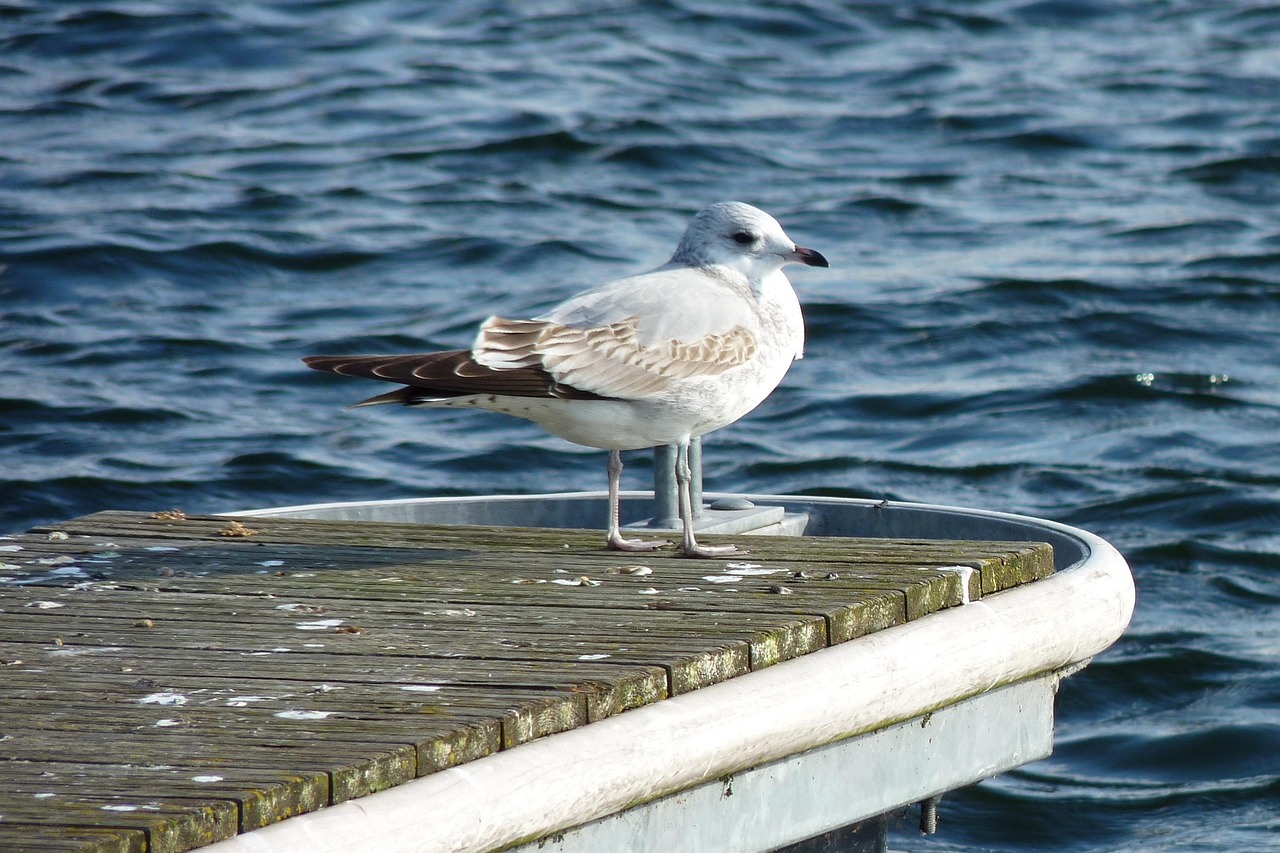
x=666, y=507
x=666, y=504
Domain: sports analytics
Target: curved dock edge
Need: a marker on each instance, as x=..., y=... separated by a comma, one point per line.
x=569, y=779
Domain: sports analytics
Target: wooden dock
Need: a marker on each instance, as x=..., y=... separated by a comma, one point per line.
x=168, y=682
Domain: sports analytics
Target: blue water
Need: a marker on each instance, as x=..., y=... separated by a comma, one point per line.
x=1054, y=229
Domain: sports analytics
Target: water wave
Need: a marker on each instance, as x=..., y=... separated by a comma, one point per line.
x=1054, y=290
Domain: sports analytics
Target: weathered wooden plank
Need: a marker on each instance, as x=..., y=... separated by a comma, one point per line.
x=789, y=628
x=336, y=625
x=663, y=646
x=813, y=593
x=471, y=578
x=443, y=734
x=35, y=838
x=520, y=719
x=423, y=544
x=57, y=733
x=346, y=635
x=303, y=600
x=688, y=664
x=608, y=688
x=578, y=634
x=353, y=768
x=1026, y=560
x=171, y=824
x=840, y=606
x=261, y=796
x=241, y=566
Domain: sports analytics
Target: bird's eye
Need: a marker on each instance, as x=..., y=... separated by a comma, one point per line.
x=744, y=238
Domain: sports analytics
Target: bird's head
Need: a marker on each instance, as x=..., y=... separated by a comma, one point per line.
x=741, y=237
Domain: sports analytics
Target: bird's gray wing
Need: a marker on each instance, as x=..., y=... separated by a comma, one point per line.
x=631, y=338
x=674, y=302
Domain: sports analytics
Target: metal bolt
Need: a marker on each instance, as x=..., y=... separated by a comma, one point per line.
x=929, y=815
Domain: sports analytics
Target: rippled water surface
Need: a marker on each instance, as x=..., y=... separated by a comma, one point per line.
x=1054, y=229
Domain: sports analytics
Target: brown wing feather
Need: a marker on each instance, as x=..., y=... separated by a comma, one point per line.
x=441, y=375
x=609, y=359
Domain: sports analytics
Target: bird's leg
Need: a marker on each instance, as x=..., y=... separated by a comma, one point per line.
x=616, y=542
x=684, y=483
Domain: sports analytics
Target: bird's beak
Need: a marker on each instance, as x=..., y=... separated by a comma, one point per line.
x=808, y=257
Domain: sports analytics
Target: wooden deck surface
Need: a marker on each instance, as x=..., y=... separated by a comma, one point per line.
x=169, y=682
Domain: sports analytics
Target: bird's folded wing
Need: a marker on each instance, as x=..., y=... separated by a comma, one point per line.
x=673, y=302
x=610, y=360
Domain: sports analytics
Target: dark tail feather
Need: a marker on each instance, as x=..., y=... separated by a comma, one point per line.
x=405, y=396
x=435, y=376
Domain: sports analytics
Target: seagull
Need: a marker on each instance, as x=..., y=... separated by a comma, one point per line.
x=657, y=358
